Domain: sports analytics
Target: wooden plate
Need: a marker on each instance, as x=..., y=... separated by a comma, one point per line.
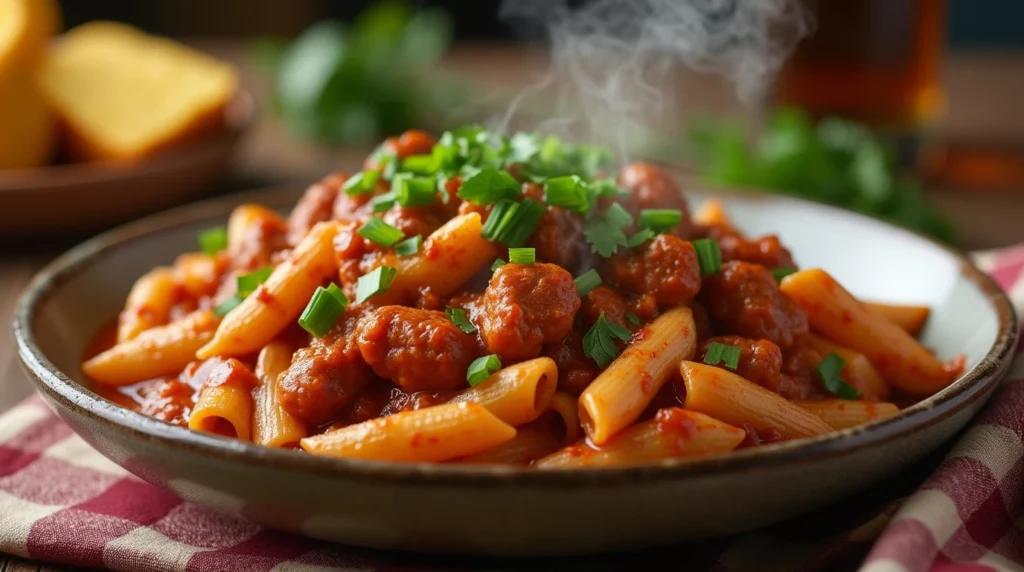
x=87, y=197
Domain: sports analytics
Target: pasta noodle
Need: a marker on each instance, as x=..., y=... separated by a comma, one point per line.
x=674, y=433
x=198, y=274
x=225, y=404
x=278, y=302
x=712, y=213
x=437, y=433
x=273, y=425
x=566, y=407
x=621, y=392
x=727, y=396
x=450, y=257
x=529, y=443
x=838, y=316
x=149, y=304
x=842, y=413
x=516, y=394
x=159, y=351
x=857, y=369
x=910, y=318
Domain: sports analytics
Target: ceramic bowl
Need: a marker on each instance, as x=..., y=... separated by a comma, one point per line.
x=515, y=511
x=80, y=198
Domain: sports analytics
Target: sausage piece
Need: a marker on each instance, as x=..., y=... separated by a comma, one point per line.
x=324, y=377
x=745, y=299
x=653, y=188
x=760, y=360
x=666, y=267
x=526, y=305
x=766, y=251
x=419, y=350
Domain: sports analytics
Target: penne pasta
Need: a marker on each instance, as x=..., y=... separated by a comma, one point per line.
x=249, y=228
x=160, y=351
x=566, y=408
x=841, y=413
x=529, y=444
x=516, y=394
x=673, y=433
x=838, y=316
x=148, y=305
x=278, y=301
x=857, y=369
x=273, y=425
x=225, y=403
x=431, y=434
x=199, y=274
x=910, y=318
x=622, y=391
x=727, y=396
x=451, y=256
x=712, y=213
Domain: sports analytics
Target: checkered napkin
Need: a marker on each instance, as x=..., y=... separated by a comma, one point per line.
x=962, y=509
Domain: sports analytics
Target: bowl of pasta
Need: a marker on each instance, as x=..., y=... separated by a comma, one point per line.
x=501, y=345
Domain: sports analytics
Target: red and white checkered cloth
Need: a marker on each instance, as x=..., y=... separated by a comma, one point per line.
x=61, y=501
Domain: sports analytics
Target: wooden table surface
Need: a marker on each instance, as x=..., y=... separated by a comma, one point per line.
x=984, y=91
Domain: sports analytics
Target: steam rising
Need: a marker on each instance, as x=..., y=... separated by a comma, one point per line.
x=613, y=61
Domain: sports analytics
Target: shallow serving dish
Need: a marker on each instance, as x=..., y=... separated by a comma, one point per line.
x=510, y=511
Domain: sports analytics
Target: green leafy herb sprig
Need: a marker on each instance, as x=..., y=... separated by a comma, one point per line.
x=834, y=161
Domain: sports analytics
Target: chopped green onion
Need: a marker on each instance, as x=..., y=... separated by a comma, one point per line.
x=247, y=283
x=567, y=192
x=709, y=256
x=441, y=180
x=362, y=182
x=617, y=216
x=376, y=282
x=482, y=368
x=498, y=263
x=460, y=319
x=323, y=310
x=512, y=223
x=604, y=188
x=660, y=220
x=780, y=273
x=633, y=318
x=227, y=305
x=213, y=240
x=389, y=166
x=522, y=255
x=640, y=237
x=587, y=281
x=828, y=372
x=409, y=246
x=722, y=353
x=380, y=232
x=487, y=186
x=420, y=164
x=414, y=191
x=383, y=201
x=599, y=344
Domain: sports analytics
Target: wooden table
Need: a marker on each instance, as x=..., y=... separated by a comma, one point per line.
x=984, y=94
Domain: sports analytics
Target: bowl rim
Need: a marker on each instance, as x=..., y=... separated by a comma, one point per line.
x=66, y=393
x=239, y=115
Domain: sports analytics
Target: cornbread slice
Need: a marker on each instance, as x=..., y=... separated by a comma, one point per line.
x=26, y=27
x=27, y=129
x=125, y=94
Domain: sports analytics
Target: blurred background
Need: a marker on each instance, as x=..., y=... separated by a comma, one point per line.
x=902, y=109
